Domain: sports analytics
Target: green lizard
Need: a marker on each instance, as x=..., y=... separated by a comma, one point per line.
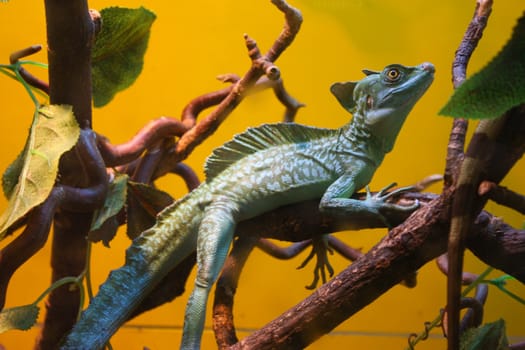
x=262, y=169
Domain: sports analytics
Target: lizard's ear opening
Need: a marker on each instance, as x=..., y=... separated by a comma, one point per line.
x=370, y=72
x=344, y=92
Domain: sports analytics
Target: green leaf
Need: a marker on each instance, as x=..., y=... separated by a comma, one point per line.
x=106, y=232
x=20, y=317
x=489, y=336
x=53, y=132
x=497, y=87
x=144, y=203
x=118, y=53
x=105, y=225
x=11, y=174
x=115, y=200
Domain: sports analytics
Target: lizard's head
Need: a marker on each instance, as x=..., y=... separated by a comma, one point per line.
x=382, y=100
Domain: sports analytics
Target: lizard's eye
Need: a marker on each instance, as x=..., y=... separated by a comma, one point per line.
x=393, y=74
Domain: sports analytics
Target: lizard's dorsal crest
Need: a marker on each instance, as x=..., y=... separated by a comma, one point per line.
x=344, y=92
x=258, y=139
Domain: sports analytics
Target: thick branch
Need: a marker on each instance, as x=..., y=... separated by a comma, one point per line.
x=499, y=245
x=284, y=224
x=409, y=246
x=68, y=255
x=403, y=251
x=70, y=35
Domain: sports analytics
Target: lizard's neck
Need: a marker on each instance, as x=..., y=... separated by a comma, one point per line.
x=356, y=139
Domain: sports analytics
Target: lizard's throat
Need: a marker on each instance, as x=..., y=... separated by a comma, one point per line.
x=356, y=139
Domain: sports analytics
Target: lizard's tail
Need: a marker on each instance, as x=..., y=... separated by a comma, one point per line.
x=151, y=256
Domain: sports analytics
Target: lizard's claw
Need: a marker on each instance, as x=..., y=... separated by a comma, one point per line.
x=380, y=200
x=320, y=248
x=383, y=196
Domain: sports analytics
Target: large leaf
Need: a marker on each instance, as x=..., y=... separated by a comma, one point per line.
x=11, y=174
x=497, y=87
x=32, y=176
x=104, y=225
x=20, y=317
x=489, y=336
x=115, y=200
x=118, y=53
x=106, y=232
x=144, y=203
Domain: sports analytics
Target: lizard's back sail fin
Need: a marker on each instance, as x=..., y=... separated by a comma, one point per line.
x=258, y=139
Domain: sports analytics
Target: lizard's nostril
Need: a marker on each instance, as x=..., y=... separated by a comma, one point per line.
x=429, y=67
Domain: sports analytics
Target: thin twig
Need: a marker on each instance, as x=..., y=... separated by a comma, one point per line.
x=502, y=195
x=187, y=174
x=474, y=316
x=125, y=154
x=30, y=241
x=260, y=66
x=282, y=253
x=28, y=77
x=155, y=131
x=467, y=46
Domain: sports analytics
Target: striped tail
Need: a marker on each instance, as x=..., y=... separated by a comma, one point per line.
x=150, y=257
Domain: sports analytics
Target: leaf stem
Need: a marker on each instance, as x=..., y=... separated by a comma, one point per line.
x=87, y=271
x=15, y=68
x=437, y=321
x=501, y=287
x=63, y=281
x=33, y=63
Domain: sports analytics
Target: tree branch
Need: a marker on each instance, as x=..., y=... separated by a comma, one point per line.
x=70, y=35
x=260, y=65
x=421, y=238
x=24, y=73
x=467, y=46
x=502, y=195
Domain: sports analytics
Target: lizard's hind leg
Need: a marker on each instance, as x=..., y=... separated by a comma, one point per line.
x=214, y=239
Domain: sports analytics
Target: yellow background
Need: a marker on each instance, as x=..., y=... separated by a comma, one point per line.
x=194, y=41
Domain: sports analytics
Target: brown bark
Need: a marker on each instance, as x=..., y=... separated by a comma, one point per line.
x=70, y=34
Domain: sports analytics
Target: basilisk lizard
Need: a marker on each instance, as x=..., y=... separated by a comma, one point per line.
x=259, y=170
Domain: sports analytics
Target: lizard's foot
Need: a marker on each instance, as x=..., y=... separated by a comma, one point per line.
x=380, y=200
x=320, y=248
x=383, y=196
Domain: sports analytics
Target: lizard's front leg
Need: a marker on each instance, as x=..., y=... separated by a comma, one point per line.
x=336, y=201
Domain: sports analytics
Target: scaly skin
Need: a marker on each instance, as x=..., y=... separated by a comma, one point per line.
x=260, y=170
